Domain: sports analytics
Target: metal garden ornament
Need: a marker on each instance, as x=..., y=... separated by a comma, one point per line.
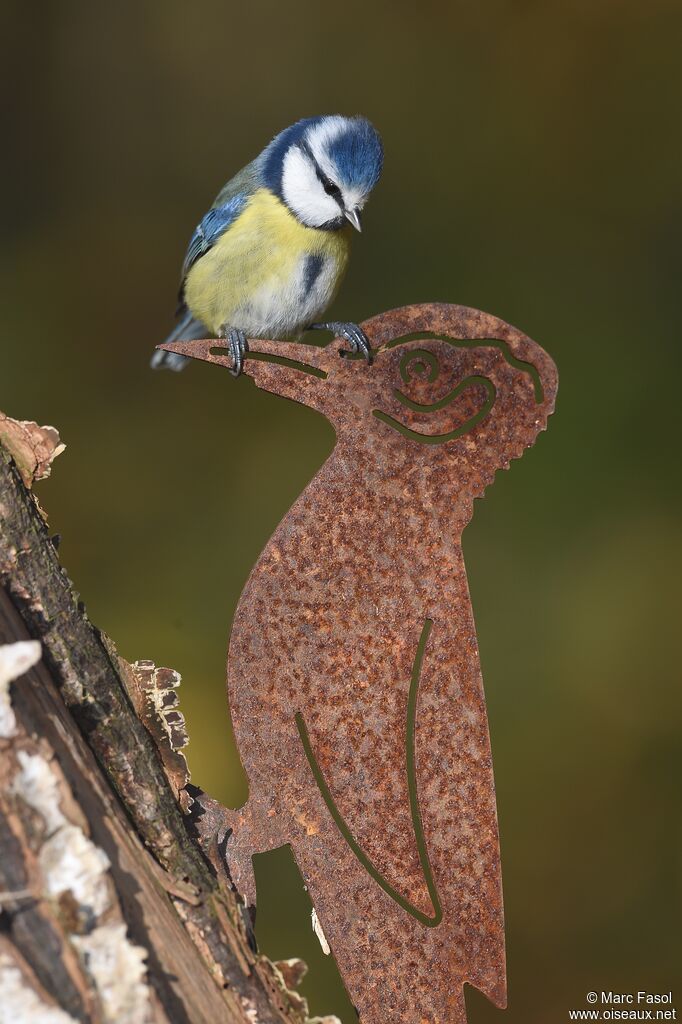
x=353, y=670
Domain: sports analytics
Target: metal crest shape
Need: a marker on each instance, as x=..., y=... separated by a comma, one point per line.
x=353, y=671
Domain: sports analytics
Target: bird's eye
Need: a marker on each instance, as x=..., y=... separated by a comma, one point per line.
x=330, y=187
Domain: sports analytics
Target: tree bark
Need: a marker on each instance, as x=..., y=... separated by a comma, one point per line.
x=113, y=906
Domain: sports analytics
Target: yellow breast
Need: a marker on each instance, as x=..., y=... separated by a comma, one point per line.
x=258, y=274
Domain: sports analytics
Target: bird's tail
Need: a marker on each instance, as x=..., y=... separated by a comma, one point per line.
x=187, y=329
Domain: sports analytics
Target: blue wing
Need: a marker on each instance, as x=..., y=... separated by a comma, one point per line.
x=209, y=230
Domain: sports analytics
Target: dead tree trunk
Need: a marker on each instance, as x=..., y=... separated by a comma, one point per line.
x=110, y=910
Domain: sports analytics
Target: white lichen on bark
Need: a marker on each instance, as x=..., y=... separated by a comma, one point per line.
x=118, y=970
x=15, y=660
x=21, y=1004
x=70, y=862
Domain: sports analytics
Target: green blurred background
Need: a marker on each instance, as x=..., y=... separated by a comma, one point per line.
x=533, y=169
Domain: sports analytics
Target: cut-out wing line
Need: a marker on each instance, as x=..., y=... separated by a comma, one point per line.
x=425, y=919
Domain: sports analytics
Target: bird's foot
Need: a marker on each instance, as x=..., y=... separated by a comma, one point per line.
x=354, y=335
x=238, y=346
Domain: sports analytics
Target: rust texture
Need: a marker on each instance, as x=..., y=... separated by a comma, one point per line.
x=353, y=670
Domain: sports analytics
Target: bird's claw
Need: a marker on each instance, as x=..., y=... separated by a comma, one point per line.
x=238, y=346
x=354, y=335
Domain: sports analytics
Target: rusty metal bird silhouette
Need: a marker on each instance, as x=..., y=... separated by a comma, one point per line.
x=353, y=670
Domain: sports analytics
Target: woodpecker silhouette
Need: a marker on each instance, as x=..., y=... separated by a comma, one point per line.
x=353, y=669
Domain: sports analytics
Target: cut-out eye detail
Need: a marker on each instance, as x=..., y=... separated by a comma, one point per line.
x=421, y=364
x=330, y=187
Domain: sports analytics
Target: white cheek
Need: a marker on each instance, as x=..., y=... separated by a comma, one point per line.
x=303, y=191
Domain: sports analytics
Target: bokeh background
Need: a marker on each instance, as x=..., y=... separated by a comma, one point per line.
x=533, y=169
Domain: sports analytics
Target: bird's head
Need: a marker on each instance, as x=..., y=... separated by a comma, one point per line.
x=324, y=169
x=449, y=385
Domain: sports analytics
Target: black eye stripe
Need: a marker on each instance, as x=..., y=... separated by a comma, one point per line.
x=330, y=187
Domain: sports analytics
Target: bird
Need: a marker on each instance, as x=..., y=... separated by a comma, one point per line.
x=267, y=259
x=354, y=681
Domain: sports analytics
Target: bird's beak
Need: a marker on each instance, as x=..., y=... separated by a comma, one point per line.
x=354, y=217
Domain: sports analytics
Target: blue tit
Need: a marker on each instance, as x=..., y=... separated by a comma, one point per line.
x=267, y=259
